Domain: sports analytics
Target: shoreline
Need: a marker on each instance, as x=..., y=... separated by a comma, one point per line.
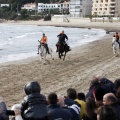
x=114, y=26
x=95, y=58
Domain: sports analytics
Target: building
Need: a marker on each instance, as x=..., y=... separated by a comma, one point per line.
x=106, y=7
x=65, y=7
x=4, y=5
x=29, y=6
x=80, y=8
x=62, y=7
x=47, y=7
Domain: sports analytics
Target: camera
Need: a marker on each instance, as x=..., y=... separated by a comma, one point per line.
x=10, y=112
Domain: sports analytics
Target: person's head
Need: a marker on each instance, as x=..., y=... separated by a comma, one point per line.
x=81, y=96
x=61, y=101
x=116, y=32
x=71, y=93
x=32, y=87
x=117, y=83
x=90, y=104
x=43, y=34
x=90, y=108
x=109, y=98
x=105, y=113
x=17, y=109
x=52, y=98
x=63, y=32
x=94, y=81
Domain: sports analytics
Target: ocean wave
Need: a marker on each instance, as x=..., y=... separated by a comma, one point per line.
x=15, y=57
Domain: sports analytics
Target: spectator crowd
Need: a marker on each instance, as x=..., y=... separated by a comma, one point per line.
x=101, y=102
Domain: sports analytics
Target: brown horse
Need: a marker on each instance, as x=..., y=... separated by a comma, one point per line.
x=62, y=50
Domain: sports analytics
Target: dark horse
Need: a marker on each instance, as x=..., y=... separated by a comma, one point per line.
x=62, y=50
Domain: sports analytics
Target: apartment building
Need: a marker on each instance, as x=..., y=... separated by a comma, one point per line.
x=80, y=8
x=47, y=7
x=106, y=8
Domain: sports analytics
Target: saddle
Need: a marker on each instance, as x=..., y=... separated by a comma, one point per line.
x=42, y=44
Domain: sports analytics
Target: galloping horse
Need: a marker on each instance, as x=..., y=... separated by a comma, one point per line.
x=115, y=46
x=62, y=50
x=43, y=52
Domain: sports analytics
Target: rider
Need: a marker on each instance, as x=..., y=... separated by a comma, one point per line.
x=44, y=42
x=62, y=38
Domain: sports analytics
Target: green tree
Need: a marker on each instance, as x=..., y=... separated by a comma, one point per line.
x=23, y=13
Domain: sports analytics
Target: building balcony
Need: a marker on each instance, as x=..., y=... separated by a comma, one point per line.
x=112, y=10
x=112, y=13
x=111, y=6
x=112, y=1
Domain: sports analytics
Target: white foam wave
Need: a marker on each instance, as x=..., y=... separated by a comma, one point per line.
x=15, y=57
x=21, y=36
x=32, y=33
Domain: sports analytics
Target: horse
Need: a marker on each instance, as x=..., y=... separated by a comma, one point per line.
x=62, y=50
x=115, y=46
x=43, y=52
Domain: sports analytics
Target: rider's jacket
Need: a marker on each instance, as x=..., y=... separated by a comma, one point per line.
x=44, y=40
x=62, y=38
x=34, y=104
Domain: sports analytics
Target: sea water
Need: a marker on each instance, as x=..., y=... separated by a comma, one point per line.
x=21, y=41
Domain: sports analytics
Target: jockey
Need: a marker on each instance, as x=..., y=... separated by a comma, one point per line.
x=62, y=38
x=44, y=42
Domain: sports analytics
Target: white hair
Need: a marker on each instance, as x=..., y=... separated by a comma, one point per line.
x=16, y=106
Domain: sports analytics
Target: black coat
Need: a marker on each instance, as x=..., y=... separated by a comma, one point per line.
x=62, y=38
x=34, y=104
x=57, y=112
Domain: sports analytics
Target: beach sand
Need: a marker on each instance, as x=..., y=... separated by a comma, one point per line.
x=95, y=58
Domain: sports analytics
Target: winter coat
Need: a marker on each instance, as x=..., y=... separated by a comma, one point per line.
x=116, y=108
x=34, y=104
x=57, y=112
x=73, y=107
x=62, y=38
x=3, y=108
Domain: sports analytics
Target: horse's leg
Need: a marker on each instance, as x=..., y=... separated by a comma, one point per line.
x=64, y=56
x=40, y=54
x=50, y=51
x=113, y=49
x=59, y=54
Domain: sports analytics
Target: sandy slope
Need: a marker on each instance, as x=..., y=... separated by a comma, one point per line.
x=57, y=76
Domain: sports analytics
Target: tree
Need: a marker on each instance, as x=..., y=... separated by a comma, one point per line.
x=23, y=13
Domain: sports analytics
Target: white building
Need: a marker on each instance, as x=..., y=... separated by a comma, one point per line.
x=65, y=7
x=47, y=7
x=106, y=7
x=80, y=8
x=29, y=6
x=4, y=5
